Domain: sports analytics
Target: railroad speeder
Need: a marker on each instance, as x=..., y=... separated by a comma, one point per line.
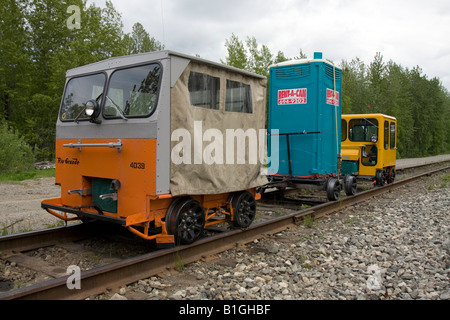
x=139, y=142
x=369, y=147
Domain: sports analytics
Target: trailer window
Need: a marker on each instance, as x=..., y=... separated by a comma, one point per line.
x=204, y=90
x=238, y=97
x=133, y=92
x=363, y=130
x=78, y=91
x=392, y=135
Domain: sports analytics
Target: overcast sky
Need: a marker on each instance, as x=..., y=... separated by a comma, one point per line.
x=409, y=32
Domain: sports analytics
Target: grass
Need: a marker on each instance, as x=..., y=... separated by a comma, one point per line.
x=179, y=264
x=350, y=220
x=26, y=175
x=10, y=229
x=445, y=180
x=308, y=221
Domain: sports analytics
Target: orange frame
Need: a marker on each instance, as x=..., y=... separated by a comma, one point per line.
x=138, y=205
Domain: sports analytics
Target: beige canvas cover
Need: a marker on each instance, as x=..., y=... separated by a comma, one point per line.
x=192, y=177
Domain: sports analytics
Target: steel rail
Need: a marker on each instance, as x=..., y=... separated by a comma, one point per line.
x=41, y=238
x=95, y=281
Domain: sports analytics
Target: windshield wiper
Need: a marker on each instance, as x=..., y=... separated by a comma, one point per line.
x=117, y=109
x=82, y=111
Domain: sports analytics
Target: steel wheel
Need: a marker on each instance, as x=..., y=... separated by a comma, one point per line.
x=379, y=178
x=185, y=219
x=333, y=189
x=244, y=209
x=350, y=185
x=391, y=176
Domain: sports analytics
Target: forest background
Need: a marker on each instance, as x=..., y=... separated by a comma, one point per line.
x=38, y=45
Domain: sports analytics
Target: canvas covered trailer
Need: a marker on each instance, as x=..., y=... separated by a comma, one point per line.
x=136, y=133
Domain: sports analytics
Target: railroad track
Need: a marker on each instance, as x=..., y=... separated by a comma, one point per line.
x=94, y=281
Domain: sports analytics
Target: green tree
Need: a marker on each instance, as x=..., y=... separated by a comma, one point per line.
x=376, y=77
x=237, y=55
x=301, y=55
x=355, y=87
x=37, y=48
x=15, y=64
x=421, y=105
x=15, y=153
x=259, y=60
x=140, y=41
x=280, y=57
x=397, y=97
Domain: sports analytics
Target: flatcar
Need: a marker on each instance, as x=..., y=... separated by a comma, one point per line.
x=305, y=112
x=140, y=143
x=369, y=146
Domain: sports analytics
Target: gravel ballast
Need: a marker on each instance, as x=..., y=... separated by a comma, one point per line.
x=394, y=247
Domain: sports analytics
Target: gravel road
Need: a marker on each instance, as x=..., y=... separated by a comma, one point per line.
x=20, y=205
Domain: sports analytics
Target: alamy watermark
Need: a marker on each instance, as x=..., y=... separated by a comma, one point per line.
x=374, y=281
x=74, y=279
x=74, y=21
x=234, y=146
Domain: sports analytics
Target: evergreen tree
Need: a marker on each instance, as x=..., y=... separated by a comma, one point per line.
x=39, y=41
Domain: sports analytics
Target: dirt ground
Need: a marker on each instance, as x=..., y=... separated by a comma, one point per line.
x=20, y=205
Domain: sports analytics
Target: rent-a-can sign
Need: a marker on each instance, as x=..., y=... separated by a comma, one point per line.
x=292, y=96
x=330, y=99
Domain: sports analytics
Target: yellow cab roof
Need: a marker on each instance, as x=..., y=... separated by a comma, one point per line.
x=367, y=115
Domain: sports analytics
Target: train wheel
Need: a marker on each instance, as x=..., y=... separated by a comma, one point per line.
x=350, y=185
x=185, y=219
x=391, y=176
x=333, y=189
x=379, y=178
x=244, y=209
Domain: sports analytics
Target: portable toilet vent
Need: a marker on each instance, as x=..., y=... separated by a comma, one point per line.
x=305, y=107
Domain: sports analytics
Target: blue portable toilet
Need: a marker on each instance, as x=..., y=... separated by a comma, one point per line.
x=305, y=107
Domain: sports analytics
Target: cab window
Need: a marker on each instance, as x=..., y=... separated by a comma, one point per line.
x=392, y=144
x=386, y=134
x=343, y=130
x=78, y=91
x=363, y=130
x=133, y=92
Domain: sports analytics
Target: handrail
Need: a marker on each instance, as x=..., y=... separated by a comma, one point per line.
x=294, y=133
x=118, y=145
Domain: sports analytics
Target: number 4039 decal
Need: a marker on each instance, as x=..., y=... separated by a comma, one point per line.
x=137, y=165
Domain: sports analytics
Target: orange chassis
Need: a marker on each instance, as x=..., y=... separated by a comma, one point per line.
x=213, y=205
x=139, y=208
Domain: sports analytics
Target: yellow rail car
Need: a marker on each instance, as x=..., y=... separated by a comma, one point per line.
x=369, y=145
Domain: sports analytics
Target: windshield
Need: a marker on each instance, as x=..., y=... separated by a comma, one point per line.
x=363, y=130
x=78, y=91
x=132, y=92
